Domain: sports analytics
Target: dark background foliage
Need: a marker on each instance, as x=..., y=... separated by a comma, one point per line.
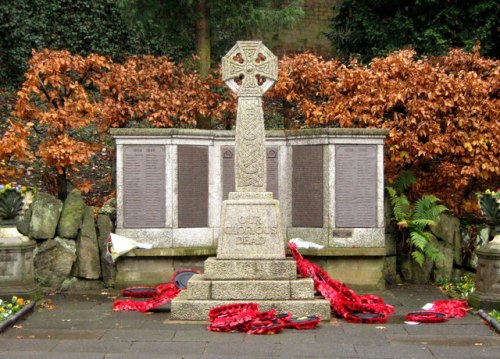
x=78, y=26
x=373, y=28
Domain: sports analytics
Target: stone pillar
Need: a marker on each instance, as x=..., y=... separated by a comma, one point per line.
x=250, y=263
x=251, y=221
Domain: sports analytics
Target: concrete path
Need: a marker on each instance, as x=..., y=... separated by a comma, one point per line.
x=84, y=326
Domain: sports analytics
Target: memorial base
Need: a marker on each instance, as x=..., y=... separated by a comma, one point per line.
x=272, y=284
x=487, y=293
x=16, y=264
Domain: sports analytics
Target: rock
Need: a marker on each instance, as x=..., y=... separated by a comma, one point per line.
x=104, y=228
x=443, y=269
x=53, y=261
x=109, y=208
x=88, y=264
x=23, y=222
x=390, y=243
x=447, y=228
x=413, y=273
x=71, y=215
x=46, y=210
x=389, y=270
x=480, y=240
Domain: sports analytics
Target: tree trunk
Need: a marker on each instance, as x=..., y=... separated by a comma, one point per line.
x=62, y=185
x=203, y=36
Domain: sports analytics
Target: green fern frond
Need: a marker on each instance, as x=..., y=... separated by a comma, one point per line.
x=422, y=223
x=403, y=181
x=419, y=239
x=426, y=208
x=418, y=257
x=400, y=206
x=433, y=253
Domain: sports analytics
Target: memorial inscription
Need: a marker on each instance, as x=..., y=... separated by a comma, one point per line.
x=355, y=186
x=307, y=186
x=192, y=179
x=144, y=186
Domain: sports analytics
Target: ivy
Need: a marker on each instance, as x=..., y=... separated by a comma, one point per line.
x=374, y=28
x=79, y=26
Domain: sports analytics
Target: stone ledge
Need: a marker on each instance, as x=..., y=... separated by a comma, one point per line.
x=311, y=132
x=183, y=309
x=212, y=251
x=343, y=252
x=250, y=269
x=173, y=252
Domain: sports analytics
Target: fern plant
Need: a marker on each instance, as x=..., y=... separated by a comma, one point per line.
x=11, y=204
x=414, y=219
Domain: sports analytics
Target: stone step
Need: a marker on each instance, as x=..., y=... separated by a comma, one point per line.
x=259, y=269
x=185, y=309
x=199, y=288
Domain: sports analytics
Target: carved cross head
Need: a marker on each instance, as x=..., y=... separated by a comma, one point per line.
x=249, y=68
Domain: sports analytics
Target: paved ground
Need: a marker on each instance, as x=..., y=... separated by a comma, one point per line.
x=84, y=326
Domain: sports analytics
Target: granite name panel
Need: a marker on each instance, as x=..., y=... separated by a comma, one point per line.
x=307, y=186
x=228, y=182
x=144, y=186
x=356, y=186
x=192, y=179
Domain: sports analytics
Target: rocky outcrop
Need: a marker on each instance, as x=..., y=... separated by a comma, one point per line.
x=53, y=261
x=447, y=229
x=104, y=228
x=88, y=264
x=46, y=210
x=71, y=215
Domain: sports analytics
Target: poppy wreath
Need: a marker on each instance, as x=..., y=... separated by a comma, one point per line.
x=440, y=311
x=426, y=317
x=245, y=317
x=451, y=308
x=164, y=293
x=344, y=301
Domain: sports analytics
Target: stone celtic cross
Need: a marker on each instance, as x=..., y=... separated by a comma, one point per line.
x=249, y=69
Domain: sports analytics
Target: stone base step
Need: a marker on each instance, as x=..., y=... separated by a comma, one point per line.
x=254, y=269
x=185, y=309
x=199, y=288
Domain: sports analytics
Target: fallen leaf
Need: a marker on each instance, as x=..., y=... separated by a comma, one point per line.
x=17, y=326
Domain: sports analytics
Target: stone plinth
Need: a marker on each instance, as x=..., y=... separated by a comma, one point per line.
x=16, y=264
x=487, y=293
x=251, y=227
x=282, y=294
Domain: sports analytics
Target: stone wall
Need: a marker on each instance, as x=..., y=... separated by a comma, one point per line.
x=69, y=252
x=171, y=184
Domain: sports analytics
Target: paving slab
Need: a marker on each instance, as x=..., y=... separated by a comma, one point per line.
x=393, y=351
x=93, y=330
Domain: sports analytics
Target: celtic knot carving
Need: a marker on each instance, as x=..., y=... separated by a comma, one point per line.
x=249, y=69
x=250, y=147
x=251, y=63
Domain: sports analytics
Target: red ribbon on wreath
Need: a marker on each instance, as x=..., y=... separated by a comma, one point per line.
x=344, y=301
x=164, y=293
